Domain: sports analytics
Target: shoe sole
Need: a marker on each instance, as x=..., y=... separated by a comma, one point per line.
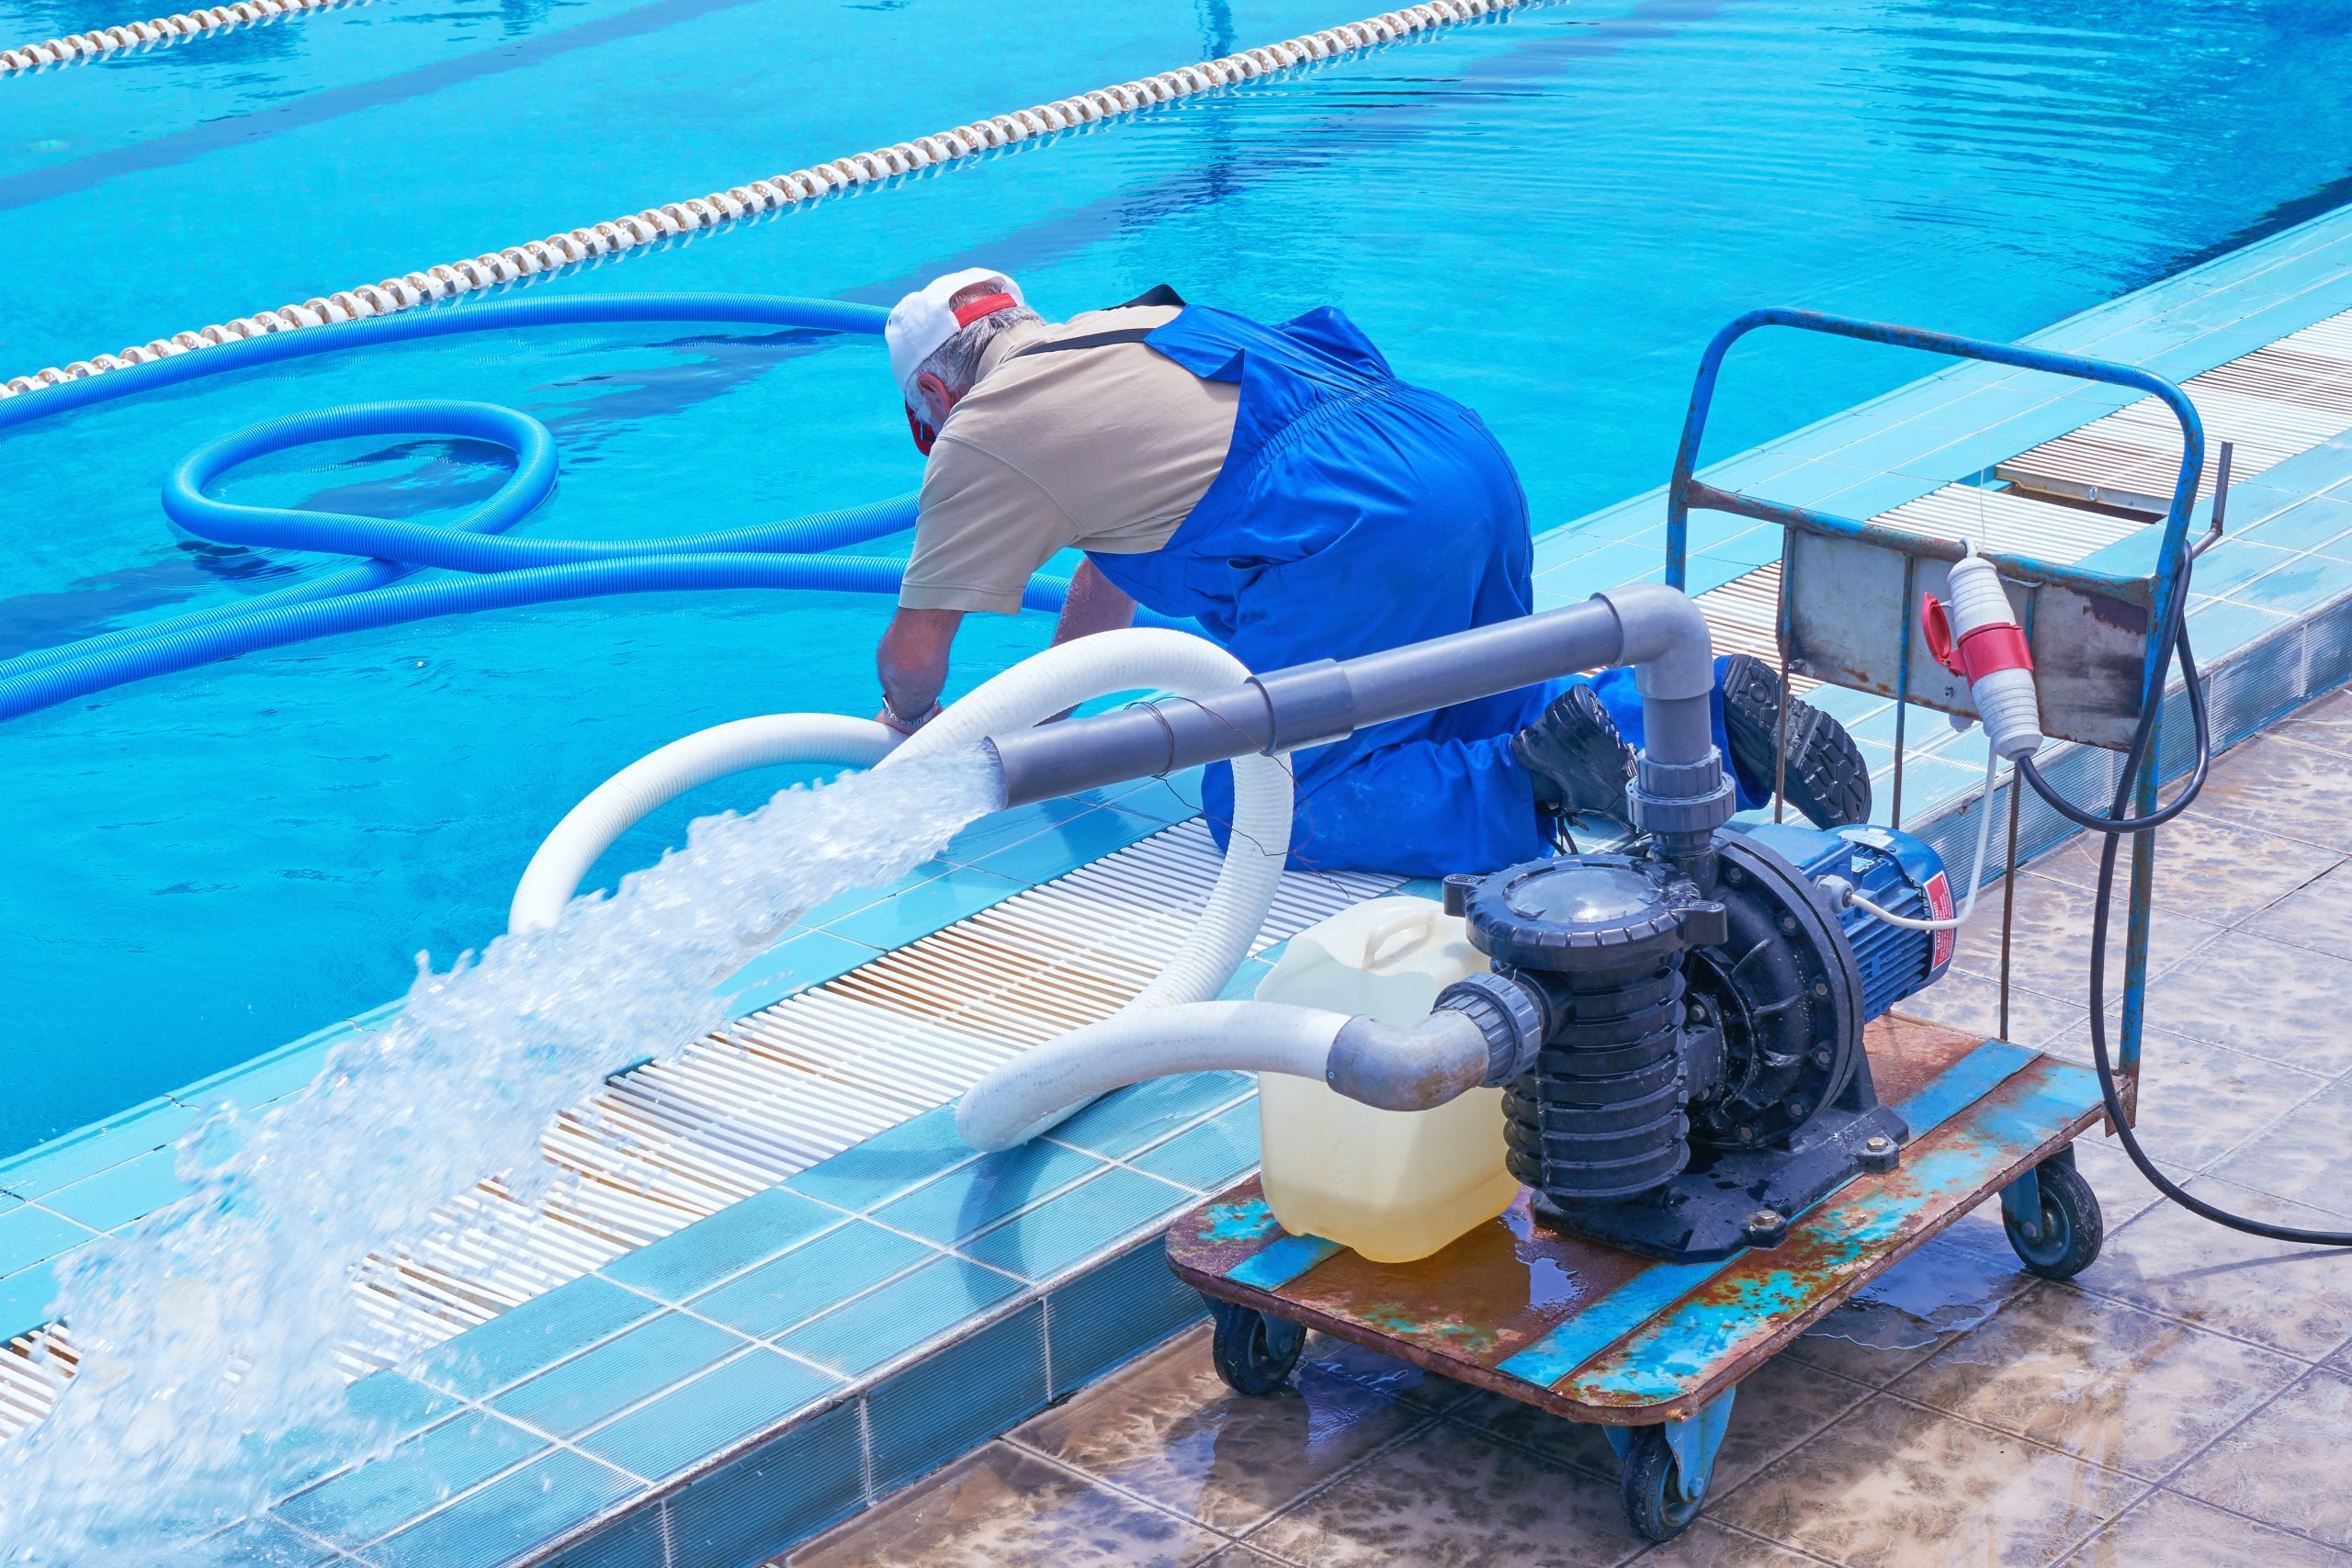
x=1826, y=779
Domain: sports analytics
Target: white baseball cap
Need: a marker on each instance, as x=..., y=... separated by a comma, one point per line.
x=922, y=320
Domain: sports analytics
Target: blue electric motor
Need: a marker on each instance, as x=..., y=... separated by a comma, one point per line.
x=1901, y=875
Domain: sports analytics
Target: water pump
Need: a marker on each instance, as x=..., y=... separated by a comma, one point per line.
x=1701, y=1077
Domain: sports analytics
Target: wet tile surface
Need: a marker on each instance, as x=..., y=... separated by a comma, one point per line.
x=2182, y=1403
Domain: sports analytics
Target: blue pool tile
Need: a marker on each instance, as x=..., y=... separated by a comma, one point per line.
x=1065, y=847
x=978, y=1194
x=1619, y=561
x=399, y=1403
x=286, y=1069
x=1243, y=985
x=1558, y=546
x=706, y=1414
x=850, y=900
x=25, y=1297
x=809, y=1279
x=1078, y=1223
x=1002, y=830
x=124, y=1192
x=2315, y=523
x=887, y=1164
x=2218, y=626
x=385, y=1493
x=1211, y=1154
x=390, y=1404
x=256, y=1543
x=2233, y=563
x=1108, y=1313
x=782, y=1492
x=30, y=1235
x=1119, y=1123
x=1705, y=573
x=1757, y=544
x=539, y=1332
x=2298, y=586
x=857, y=1337
x=1164, y=800
x=534, y=1504
x=942, y=1407
x=41, y=1170
x=1920, y=725
x=924, y=908
x=687, y=1262
x=801, y=960
x=599, y=1383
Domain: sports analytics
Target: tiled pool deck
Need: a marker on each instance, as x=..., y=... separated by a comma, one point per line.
x=684, y=1356
x=2182, y=1403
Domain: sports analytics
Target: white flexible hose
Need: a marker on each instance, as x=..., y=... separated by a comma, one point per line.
x=659, y=777
x=1034, y=690
x=1148, y=658
x=1975, y=878
x=1004, y=1109
x=659, y=225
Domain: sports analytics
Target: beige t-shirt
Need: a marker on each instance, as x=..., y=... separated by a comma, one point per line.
x=1098, y=448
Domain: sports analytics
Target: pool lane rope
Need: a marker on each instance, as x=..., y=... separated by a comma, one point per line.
x=74, y=48
x=658, y=225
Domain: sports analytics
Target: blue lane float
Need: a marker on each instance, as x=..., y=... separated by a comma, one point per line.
x=500, y=571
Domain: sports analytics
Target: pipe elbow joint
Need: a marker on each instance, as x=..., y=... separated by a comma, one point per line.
x=1439, y=1059
x=1664, y=638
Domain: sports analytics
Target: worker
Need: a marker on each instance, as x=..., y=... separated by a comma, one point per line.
x=1282, y=488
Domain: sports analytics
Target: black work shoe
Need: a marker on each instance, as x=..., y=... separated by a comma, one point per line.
x=1826, y=779
x=1577, y=758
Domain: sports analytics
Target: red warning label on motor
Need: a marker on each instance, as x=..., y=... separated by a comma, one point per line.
x=1939, y=908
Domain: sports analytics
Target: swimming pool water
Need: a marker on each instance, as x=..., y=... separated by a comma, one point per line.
x=1544, y=216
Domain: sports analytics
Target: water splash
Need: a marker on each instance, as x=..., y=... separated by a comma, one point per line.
x=208, y=1333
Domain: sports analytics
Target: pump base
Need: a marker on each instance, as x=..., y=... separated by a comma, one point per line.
x=1731, y=1199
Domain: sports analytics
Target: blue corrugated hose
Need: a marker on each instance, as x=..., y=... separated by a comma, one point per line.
x=503, y=572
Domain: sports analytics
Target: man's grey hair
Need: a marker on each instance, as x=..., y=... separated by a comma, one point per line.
x=957, y=362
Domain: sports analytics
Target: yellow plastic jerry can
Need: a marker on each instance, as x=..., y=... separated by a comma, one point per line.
x=1392, y=1185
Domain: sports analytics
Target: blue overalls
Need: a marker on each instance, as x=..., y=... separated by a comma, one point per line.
x=1354, y=514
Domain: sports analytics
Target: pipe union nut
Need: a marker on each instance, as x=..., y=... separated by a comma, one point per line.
x=1683, y=797
x=1509, y=1017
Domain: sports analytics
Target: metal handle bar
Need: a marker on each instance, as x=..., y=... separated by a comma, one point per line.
x=1686, y=489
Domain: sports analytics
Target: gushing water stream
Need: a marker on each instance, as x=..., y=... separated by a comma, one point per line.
x=208, y=1333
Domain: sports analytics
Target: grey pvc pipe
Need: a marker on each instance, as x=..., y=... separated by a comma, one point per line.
x=1654, y=628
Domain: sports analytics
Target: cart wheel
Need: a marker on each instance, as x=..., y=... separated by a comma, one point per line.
x=1254, y=1353
x=1661, y=1502
x=2071, y=1229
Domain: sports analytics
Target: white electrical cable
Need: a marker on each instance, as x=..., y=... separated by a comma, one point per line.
x=1975, y=879
x=658, y=225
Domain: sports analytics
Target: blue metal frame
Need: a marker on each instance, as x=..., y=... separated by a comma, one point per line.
x=1686, y=489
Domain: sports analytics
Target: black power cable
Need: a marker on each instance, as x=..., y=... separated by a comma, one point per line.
x=2115, y=828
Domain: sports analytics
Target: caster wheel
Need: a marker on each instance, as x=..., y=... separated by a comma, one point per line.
x=1254, y=1353
x=1661, y=1502
x=2071, y=1229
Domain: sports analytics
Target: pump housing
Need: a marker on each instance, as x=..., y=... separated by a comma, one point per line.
x=1702, y=1079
